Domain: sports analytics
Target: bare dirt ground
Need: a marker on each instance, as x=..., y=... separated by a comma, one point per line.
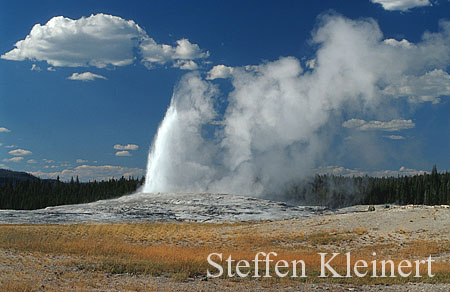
x=393, y=225
x=393, y=228
x=34, y=272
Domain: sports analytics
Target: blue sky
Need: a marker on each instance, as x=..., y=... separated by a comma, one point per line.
x=97, y=118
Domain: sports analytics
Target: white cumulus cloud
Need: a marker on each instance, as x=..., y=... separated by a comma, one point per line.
x=81, y=161
x=185, y=50
x=126, y=147
x=13, y=159
x=20, y=152
x=4, y=130
x=390, y=126
x=425, y=88
x=402, y=5
x=154, y=53
x=219, y=71
x=186, y=65
x=99, y=40
x=123, y=153
x=31, y=161
x=395, y=43
x=86, y=76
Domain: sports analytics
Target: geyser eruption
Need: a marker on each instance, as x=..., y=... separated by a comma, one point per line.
x=277, y=119
x=180, y=158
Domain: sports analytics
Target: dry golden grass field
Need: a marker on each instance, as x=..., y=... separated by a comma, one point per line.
x=172, y=256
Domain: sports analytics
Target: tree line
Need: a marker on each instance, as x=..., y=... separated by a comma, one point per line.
x=326, y=190
x=339, y=191
x=37, y=193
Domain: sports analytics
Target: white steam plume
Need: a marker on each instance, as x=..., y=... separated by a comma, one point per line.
x=275, y=126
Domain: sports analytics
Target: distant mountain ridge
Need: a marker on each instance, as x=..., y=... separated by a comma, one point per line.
x=15, y=176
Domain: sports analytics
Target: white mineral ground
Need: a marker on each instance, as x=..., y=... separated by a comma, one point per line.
x=167, y=207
